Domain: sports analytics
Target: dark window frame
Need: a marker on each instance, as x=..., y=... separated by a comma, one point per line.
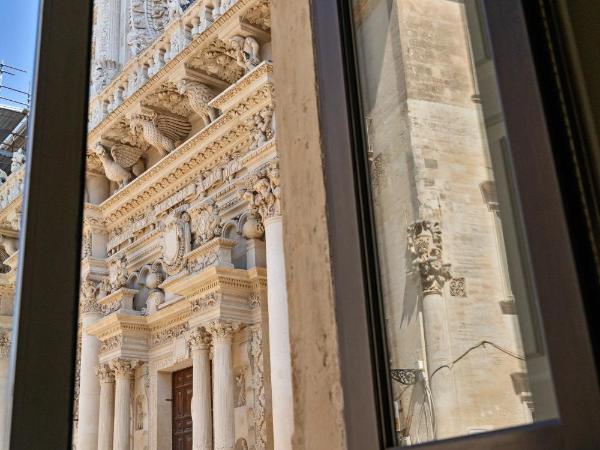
x=47, y=294
x=354, y=254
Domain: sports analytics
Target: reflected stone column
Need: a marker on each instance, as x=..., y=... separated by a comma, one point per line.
x=123, y=371
x=89, y=387
x=107, y=407
x=425, y=244
x=201, y=399
x=5, y=342
x=223, y=393
x=264, y=199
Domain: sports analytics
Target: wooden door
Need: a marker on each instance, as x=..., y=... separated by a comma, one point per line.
x=182, y=410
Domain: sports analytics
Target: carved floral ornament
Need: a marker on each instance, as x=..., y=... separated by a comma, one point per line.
x=425, y=245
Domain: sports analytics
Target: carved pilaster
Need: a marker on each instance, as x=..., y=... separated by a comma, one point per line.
x=425, y=245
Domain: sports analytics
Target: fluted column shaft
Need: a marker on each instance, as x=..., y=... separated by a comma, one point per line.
x=89, y=387
x=106, y=414
x=123, y=370
x=201, y=399
x=224, y=425
x=279, y=337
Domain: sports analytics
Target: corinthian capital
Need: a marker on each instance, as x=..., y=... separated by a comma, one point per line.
x=105, y=374
x=199, y=339
x=425, y=245
x=222, y=330
x=264, y=195
x=123, y=367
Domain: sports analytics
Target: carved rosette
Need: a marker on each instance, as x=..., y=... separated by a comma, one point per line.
x=177, y=239
x=105, y=374
x=123, y=367
x=264, y=197
x=199, y=339
x=425, y=245
x=5, y=342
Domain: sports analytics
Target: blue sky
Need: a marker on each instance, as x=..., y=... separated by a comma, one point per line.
x=18, y=31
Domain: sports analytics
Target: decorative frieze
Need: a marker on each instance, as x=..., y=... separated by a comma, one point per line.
x=206, y=302
x=165, y=336
x=425, y=245
x=111, y=344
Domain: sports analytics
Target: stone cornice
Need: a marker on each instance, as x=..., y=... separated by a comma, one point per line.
x=197, y=43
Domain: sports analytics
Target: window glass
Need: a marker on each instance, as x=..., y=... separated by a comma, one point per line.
x=18, y=31
x=466, y=349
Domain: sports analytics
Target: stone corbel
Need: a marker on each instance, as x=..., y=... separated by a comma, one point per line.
x=119, y=301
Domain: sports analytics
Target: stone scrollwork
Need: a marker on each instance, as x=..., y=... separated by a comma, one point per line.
x=177, y=241
x=425, y=245
x=206, y=224
x=264, y=197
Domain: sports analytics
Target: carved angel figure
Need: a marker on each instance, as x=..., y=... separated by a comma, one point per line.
x=199, y=95
x=163, y=132
x=88, y=290
x=246, y=52
x=123, y=163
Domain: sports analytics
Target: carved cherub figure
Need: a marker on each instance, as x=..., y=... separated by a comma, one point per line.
x=246, y=52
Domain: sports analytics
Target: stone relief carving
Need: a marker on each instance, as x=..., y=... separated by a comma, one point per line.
x=177, y=241
x=259, y=15
x=103, y=72
x=5, y=340
x=110, y=344
x=89, y=292
x=86, y=244
x=156, y=297
x=265, y=194
x=118, y=274
x=425, y=245
x=141, y=31
x=206, y=224
x=199, y=95
x=163, y=132
x=123, y=163
x=245, y=51
x=204, y=261
x=260, y=126
x=240, y=389
x=216, y=60
x=256, y=363
x=18, y=160
x=168, y=335
x=206, y=302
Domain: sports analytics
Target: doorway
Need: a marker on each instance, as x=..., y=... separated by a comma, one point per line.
x=182, y=409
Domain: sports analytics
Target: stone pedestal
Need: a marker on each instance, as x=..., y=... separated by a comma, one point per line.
x=201, y=400
x=223, y=393
x=123, y=371
x=279, y=338
x=89, y=386
x=106, y=408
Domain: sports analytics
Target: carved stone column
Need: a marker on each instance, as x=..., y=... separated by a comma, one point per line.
x=264, y=199
x=89, y=387
x=5, y=342
x=123, y=371
x=223, y=392
x=201, y=399
x=425, y=244
x=107, y=407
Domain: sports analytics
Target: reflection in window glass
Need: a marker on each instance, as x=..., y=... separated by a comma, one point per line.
x=18, y=30
x=465, y=347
